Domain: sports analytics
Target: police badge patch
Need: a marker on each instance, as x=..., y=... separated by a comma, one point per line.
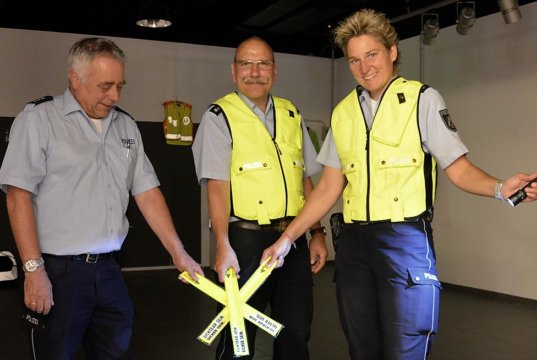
x=444, y=114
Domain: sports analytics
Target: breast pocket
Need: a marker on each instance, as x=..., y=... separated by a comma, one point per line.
x=252, y=175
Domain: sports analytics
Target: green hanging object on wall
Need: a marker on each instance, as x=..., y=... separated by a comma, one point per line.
x=177, y=124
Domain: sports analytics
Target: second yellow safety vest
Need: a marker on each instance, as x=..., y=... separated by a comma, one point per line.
x=389, y=176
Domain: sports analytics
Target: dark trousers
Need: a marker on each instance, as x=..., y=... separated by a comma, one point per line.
x=387, y=290
x=92, y=308
x=288, y=291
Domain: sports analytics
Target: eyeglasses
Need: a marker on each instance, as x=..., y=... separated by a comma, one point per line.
x=249, y=64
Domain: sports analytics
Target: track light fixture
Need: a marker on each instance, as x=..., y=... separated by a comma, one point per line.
x=429, y=28
x=510, y=11
x=154, y=14
x=465, y=16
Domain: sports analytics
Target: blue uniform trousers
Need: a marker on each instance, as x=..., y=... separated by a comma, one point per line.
x=387, y=289
x=288, y=291
x=92, y=308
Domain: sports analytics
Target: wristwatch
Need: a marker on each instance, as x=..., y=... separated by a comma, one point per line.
x=32, y=264
x=319, y=230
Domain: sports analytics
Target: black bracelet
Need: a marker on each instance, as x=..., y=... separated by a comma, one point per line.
x=319, y=230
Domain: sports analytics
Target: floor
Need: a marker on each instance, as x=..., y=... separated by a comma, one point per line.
x=170, y=315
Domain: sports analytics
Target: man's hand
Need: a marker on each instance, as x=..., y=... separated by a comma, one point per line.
x=225, y=258
x=38, y=291
x=277, y=251
x=184, y=262
x=318, y=252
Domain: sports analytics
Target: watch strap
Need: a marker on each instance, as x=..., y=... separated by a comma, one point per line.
x=319, y=230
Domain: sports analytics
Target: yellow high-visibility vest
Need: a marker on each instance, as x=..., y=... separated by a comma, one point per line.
x=266, y=173
x=389, y=176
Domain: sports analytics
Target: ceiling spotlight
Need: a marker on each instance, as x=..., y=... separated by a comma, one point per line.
x=429, y=28
x=154, y=14
x=510, y=11
x=465, y=17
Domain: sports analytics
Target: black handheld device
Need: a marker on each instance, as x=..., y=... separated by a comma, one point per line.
x=34, y=319
x=520, y=195
x=336, y=223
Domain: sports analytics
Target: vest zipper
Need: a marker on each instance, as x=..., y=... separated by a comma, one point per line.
x=368, y=214
x=367, y=132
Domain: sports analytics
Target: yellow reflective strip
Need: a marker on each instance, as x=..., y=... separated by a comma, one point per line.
x=253, y=165
x=256, y=280
x=207, y=286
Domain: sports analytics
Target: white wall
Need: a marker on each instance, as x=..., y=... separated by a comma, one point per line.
x=33, y=64
x=489, y=81
x=487, y=78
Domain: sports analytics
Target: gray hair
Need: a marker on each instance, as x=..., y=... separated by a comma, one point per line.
x=84, y=51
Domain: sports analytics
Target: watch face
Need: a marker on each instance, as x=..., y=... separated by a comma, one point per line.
x=32, y=264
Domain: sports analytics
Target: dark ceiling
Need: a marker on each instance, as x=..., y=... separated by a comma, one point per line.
x=290, y=26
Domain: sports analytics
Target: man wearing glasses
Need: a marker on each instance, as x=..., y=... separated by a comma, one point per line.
x=253, y=152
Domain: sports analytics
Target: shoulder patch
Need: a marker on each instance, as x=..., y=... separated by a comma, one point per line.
x=41, y=100
x=444, y=114
x=124, y=112
x=215, y=109
x=423, y=88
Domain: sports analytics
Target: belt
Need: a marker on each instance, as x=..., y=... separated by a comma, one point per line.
x=89, y=258
x=275, y=225
x=426, y=215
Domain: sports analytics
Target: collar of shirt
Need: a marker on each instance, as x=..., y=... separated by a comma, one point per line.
x=70, y=105
x=266, y=118
x=365, y=102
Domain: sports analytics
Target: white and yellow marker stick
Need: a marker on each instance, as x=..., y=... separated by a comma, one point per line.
x=236, y=321
x=251, y=314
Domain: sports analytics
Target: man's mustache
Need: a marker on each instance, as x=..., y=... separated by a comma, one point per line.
x=255, y=81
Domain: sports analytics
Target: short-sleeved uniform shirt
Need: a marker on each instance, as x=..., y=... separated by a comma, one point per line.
x=212, y=146
x=438, y=132
x=79, y=178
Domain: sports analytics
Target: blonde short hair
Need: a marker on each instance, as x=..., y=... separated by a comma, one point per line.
x=367, y=22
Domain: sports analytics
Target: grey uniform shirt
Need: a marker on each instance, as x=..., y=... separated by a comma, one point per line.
x=79, y=178
x=212, y=145
x=439, y=137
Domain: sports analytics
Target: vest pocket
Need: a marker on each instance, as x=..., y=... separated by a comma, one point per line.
x=423, y=299
x=253, y=175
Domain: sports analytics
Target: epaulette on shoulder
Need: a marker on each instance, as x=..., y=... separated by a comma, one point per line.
x=41, y=100
x=215, y=109
x=423, y=88
x=124, y=112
